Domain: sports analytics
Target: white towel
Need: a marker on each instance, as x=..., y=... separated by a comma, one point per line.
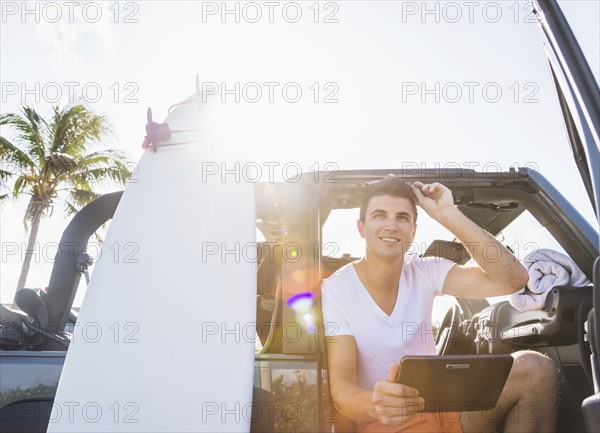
x=546, y=268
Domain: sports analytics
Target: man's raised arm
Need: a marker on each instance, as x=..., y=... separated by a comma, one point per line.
x=499, y=272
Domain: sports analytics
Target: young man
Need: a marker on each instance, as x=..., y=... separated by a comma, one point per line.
x=370, y=306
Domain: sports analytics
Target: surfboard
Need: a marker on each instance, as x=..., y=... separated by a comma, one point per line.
x=166, y=333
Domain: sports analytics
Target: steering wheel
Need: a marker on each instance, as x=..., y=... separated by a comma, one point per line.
x=448, y=334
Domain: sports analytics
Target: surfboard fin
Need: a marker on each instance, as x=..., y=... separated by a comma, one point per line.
x=155, y=132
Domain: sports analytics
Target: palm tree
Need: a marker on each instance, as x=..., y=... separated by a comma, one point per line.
x=56, y=163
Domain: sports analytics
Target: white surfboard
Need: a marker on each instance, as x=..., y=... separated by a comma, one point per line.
x=165, y=337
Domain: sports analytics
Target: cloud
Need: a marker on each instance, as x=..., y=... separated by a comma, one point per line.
x=68, y=45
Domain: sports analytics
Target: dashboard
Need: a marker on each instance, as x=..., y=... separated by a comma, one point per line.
x=503, y=329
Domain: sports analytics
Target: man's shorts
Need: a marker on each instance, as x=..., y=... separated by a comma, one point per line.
x=423, y=422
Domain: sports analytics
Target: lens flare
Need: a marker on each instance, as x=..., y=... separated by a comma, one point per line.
x=309, y=319
x=298, y=276
x=302, y=304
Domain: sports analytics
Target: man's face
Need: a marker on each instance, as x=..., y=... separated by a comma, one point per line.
x=389, y=227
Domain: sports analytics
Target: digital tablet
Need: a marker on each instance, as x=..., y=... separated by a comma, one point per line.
x=453, y=383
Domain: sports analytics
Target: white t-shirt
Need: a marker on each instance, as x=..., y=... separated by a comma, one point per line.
x=349, y=309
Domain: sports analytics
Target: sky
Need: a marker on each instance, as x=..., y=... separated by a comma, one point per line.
x=331, y=85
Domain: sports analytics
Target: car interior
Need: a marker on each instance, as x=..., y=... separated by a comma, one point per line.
x=493, y=201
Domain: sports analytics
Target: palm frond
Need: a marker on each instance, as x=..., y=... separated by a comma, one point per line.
x=4, y=176
x=33, y=136
x=103, y=166
x=76, y=127
x=14, y=155
x=21, y=183
x=70, y=208
x=79, y=198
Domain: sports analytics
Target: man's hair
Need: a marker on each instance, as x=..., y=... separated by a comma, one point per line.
x=393, y=186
